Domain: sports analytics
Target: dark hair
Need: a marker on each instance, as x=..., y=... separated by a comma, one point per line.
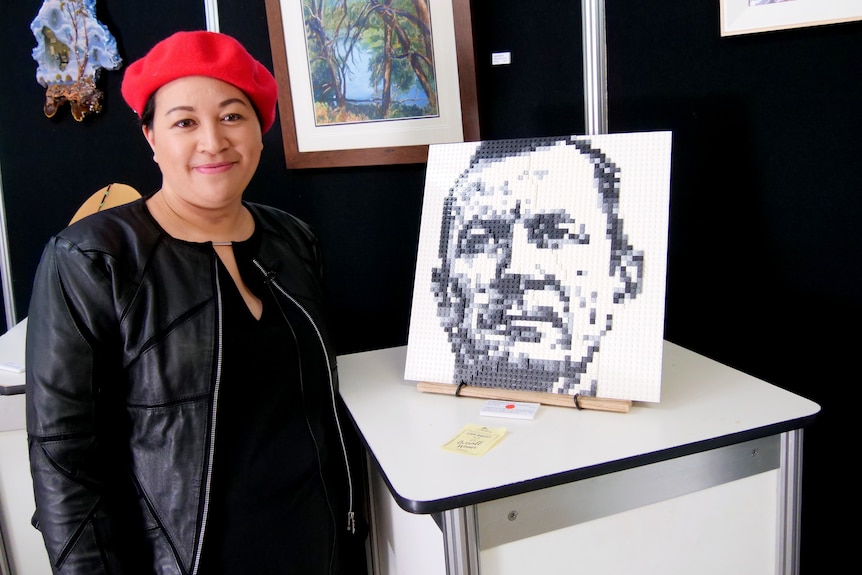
x=149, y=111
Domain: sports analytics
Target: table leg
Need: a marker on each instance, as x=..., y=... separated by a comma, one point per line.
x=461, y=541
x=789, y=503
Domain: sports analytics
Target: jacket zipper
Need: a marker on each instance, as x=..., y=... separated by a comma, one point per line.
x=270, y=278
x=213, y=414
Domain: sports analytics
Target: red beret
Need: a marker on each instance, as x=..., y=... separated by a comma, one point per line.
x=201, y=53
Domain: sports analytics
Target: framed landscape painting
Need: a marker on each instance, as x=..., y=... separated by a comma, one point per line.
x=369, y=82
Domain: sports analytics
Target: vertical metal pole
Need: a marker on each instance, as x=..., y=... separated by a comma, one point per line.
x=373, y=547
x=5, y=267
x=789, y=504
x=461, y=541
x=595, y=66
x=211, y=11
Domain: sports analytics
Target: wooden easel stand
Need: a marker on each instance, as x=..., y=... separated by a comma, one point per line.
x=558, y=399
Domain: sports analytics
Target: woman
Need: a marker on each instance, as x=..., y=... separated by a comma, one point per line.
x=181, y=386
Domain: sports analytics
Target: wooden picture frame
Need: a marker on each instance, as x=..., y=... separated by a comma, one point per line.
x=740, y=17
x=383, y=153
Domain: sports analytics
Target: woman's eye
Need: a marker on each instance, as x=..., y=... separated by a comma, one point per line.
x=184, y=124
x=233, y=117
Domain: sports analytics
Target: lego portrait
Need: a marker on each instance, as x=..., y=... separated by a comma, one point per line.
x=541, y=265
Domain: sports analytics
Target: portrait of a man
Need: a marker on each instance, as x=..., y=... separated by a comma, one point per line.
x=532, y=265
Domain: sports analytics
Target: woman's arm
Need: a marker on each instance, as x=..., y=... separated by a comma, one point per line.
x=69, y=306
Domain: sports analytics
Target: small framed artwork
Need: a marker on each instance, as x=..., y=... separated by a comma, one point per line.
x=369, y=82
x=750, y=16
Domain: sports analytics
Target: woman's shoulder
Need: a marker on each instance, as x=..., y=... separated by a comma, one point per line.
x=106, y=227
x=111, y=229
x=280, y=222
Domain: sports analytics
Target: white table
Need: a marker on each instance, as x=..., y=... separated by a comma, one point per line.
x=706, y=481
x=12, y=353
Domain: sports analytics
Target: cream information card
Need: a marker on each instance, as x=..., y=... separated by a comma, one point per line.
x=475, y=439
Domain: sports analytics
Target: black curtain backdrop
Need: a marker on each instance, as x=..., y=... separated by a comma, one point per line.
x=764, y=252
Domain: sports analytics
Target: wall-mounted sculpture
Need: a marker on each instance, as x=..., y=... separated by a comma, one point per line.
x=72, y=48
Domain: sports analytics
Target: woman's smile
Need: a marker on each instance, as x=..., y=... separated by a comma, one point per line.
x=214, y=168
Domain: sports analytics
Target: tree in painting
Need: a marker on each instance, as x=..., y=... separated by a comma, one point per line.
x=370, y=59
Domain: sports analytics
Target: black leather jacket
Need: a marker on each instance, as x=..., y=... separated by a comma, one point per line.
x=123, y=360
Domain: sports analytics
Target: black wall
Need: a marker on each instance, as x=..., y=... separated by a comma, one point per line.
x=764, y=250
x=764, y=255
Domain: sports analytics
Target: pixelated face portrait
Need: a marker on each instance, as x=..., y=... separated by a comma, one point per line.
x=533, y=262
x=542, y=264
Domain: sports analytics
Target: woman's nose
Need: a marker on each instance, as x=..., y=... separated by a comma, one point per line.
x=212, y=138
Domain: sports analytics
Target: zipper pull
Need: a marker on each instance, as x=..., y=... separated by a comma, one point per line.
x=351, y=522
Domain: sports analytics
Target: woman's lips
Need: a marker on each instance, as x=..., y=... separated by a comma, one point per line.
x=216, y=168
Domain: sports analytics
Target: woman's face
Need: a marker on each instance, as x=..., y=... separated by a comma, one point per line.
x=206, y=139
